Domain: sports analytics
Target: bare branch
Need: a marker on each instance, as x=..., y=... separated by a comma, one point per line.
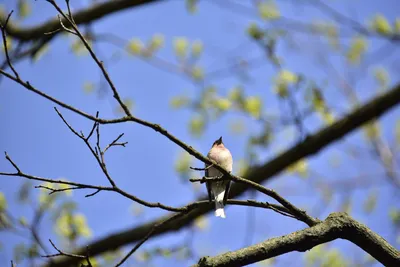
x=3, y=34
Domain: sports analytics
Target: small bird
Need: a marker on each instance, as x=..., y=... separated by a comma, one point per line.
x=220, y=189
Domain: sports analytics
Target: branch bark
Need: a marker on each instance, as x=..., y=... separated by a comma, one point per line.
x=85, y=16
x=337, y=225
x=310, y=146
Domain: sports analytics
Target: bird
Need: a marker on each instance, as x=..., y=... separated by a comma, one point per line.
x=218, y=189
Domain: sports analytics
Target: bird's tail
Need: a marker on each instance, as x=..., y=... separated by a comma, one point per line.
x=219, y=203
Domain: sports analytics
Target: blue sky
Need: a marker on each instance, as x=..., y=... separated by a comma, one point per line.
x=41, y=144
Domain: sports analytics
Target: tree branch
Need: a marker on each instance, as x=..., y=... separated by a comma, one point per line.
x=337, y=225
x=258, y=174
x=85, y=16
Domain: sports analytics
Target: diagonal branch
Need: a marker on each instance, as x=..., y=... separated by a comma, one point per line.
x=337, y=225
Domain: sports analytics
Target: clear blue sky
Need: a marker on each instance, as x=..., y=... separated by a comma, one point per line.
x=38, y=141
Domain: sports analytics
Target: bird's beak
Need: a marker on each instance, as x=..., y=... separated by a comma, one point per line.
x=220, y=140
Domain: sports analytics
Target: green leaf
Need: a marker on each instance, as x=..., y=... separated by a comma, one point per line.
x=197, y=125
x=181, y=46
x=236, y=94
x=197, y=73
x=191, y=5
x=3, y=202
x=268, y=10
x=255, y=32
x=372, y=130
x=394, y=214
x=284, y=79
x=300, y=167
x=223, y=104
x=334, y=258
x=381, y=76
x=179, y=102
x=22, y=221
x=197, y=48
x=253, y=105
x=24, y=9
x=135, y=46
x=381, y=25
x=183, y=163
x=357, y=48
x=156, y=42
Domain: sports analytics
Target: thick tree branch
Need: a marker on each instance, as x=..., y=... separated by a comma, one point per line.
x=311, y=145
x=337, y=225
x=85, y=16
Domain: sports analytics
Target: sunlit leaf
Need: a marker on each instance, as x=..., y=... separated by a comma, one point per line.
x=222, y=104
x=357, y=48
x=135, y=46
x=181, y=46
x=253, y=105
x=81, y=225
x=381, y=25
x=284, y=79
x=268, y=10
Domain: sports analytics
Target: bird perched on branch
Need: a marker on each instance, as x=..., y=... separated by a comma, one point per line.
x=219, y=189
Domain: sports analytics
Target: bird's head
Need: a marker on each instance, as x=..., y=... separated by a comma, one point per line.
x=218, y=142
